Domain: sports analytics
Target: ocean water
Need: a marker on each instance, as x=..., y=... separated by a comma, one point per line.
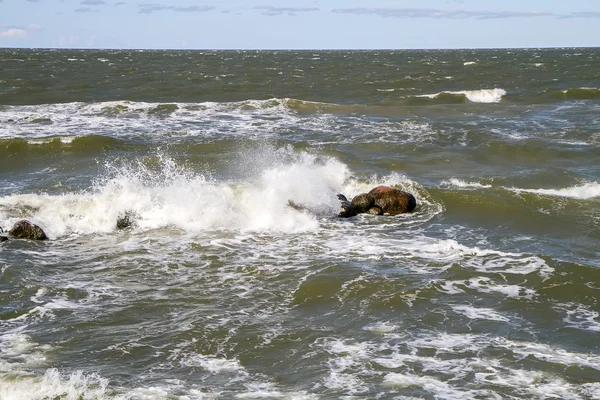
x=488, y=290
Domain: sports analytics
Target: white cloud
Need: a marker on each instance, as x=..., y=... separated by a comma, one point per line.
x=85, y=10
x=270, y=10
x=14, y=33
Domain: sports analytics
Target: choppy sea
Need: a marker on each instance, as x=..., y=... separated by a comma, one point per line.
x=488, y=290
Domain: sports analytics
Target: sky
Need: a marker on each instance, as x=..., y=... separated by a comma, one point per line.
x=299, y=24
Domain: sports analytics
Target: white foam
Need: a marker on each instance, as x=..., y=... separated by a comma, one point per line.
x=480, y=313
x=441, y=389
x=213, y=364
x=54, y=385
x=581, y=317
x=381, y=328
x=585, y=191
x=475, y=96
x=485, y=285
x=21, y=351
x=269, y=391
x=469, y=63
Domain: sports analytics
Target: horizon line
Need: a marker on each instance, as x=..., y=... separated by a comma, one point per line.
x=298, y=49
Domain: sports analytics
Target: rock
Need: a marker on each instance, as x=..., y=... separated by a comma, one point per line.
x=3, y=239
x=363, y=202
x=127, y=220
x=393, y=201
x=380, y=200
x=347, y=210
x=26, y=230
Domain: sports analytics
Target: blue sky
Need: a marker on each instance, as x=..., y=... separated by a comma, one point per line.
x=299, y=24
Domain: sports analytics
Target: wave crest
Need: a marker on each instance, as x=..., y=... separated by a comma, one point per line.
x=474, y=96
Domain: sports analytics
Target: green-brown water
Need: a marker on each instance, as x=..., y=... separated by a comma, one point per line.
x=489, y=290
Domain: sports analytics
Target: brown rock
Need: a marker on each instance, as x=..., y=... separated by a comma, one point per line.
x=393, y=201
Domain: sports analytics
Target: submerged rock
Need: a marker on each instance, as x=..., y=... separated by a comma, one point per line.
x=127, y=220
x=26, y=230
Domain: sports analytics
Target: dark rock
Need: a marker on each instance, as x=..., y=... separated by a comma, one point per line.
x=3, y=239
x=127, y=220
x=347, y=210
x=363, y=202
x=26, y=230
x=393, y=201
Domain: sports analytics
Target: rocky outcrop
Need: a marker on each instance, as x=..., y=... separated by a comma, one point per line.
x=26, y=230
x=380, y=200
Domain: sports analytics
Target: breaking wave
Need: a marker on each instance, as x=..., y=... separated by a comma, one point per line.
x=474, y=96
x=584, y=192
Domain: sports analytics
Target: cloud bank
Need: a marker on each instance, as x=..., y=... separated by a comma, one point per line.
x=13, y=33
x=153, y=7
x=17, y=32
x=441, y=14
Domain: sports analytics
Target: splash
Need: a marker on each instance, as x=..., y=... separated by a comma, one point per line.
x=163, y=194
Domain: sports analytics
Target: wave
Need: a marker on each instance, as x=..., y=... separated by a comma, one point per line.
x=16, y=148
x=582, y=93
x=583, y=192
x=474, y=96
x=463, y=184
x=162, y=194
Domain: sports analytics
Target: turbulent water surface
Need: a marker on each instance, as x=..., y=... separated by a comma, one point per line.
x=488, y=290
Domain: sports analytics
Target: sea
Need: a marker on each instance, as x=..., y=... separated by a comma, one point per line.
x=219, y=289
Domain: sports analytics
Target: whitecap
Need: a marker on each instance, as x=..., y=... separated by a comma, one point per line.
x=464, y=184
x=480, y=313
x=585, y=191
x=475, y=96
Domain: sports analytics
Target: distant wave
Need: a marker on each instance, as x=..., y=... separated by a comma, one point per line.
x=55, y=145
x=582, y=93
x=583, y=192
x=474, y=96
x=463, y=184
